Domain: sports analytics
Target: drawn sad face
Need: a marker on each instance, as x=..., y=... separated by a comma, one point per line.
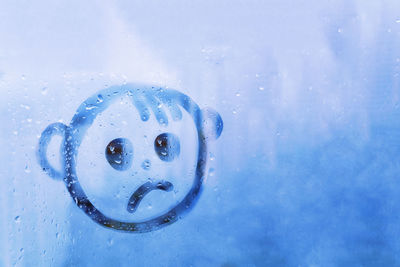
x=134, y=156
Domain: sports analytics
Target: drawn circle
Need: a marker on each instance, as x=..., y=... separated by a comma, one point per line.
x=167, y=146
x=119, y=154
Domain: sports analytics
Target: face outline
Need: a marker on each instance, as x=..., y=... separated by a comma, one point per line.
x=142, y=96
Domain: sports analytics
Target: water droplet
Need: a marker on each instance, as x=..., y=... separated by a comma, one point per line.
x=110, y=242
x=100, y=98
x=44, y=91
x=23, y=77
x=340, y=30
x=212, y=157
x=211, y=172
x=25, y=106
x=237, y=94
x=261, y=88
x=90, y=106
x=27, y=169
x=398, y=21
x=17, y=219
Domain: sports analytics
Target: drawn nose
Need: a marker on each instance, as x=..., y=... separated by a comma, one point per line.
x=146, y=164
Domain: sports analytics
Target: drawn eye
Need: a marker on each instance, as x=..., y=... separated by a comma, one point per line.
x=119, y=153
x=167, y=146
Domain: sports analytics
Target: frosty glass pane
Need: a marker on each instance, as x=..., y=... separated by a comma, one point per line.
x=199, y=133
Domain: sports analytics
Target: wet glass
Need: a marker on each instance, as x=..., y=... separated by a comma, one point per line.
x=207, y=133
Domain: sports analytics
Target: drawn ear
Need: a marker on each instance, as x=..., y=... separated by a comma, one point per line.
x=52, y=129
x=212, y=123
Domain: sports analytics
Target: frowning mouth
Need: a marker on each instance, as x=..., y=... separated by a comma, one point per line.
x=143, y=190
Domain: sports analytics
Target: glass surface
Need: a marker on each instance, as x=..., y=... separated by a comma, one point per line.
x=200, y=133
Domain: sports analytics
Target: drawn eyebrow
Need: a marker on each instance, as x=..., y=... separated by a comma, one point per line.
x=155, y=105
x=139, y=103
x=174, y=109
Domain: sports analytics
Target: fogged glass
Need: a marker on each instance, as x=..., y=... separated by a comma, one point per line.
x=207, y=133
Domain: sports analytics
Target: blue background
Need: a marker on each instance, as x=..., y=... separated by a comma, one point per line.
x=305, y=172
